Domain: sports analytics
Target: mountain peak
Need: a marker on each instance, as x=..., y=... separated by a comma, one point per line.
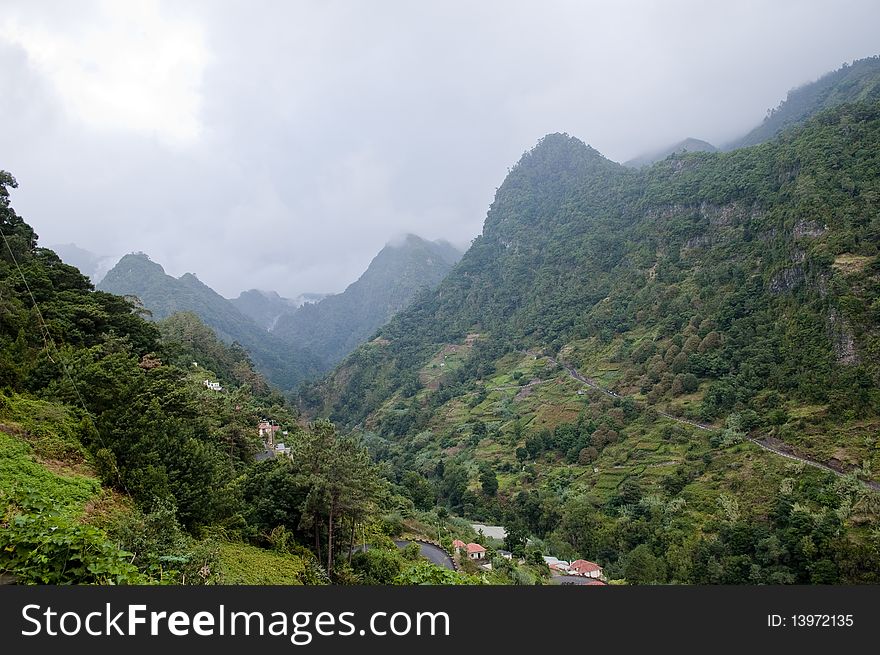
x=689, y=144
x=138, y=261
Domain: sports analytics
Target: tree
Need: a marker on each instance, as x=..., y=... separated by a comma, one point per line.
x=489, y=481
x=642, y=567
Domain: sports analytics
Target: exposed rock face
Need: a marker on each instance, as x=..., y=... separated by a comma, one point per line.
x=787, y=279
x=842, y=340
x=808, y=229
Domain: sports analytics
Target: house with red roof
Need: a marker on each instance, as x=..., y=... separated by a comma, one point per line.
x=584, y=568
x=475, y=551
x=458, y=545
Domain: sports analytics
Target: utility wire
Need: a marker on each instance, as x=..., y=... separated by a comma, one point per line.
x=47, y=340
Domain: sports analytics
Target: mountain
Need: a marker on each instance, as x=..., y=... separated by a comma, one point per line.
x=263, y=307
x=672, y=371
x=334, y=326
x=688, y=145
x=91, y=265
x=856, y=82
x=137, y=275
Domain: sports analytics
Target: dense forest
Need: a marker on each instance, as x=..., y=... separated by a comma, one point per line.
x=610, y=365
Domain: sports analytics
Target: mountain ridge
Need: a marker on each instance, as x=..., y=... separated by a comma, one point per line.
x=136, y=274
x=336, y=324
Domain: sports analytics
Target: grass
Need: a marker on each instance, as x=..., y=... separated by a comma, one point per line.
x=847, y=263
x=51, y=428
x=249, y=565
x=21, y=473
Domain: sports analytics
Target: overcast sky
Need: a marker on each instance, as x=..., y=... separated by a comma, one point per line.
x=279, y=145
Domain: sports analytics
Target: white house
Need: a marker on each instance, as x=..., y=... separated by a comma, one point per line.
x=213, y=386
x=475, y=551
x=586, y=569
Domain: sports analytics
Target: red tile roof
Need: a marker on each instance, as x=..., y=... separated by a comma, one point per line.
x=583, y=566
x=475, y=548
x=595, y=582
x=458, y=543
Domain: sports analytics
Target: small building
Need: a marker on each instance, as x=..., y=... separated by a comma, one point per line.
x=586, y=569
x=282, y=449
x=556, y=564
x=458, y=545
x=267, y=432
x=213, y=386
x=475, y=551
x=506, y=554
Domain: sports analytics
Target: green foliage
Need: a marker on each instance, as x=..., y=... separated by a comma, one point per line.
x=426, y=573
x=377, y=566
x=44, y=546
x=22, y=477
x=244, y=564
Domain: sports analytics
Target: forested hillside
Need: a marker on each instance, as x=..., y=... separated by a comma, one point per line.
x=608, y=365
x=118, y=464
x=337, y=324
x=856, y=82
x=285, y=364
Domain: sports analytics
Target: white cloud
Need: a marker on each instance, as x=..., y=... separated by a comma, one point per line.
x=131, y=66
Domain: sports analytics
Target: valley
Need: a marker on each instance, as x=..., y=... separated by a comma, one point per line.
x=660, y=373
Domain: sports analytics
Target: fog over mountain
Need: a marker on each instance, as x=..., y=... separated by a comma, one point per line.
x=248, y=143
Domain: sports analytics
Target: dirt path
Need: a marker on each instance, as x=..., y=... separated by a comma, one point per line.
x=577, y=375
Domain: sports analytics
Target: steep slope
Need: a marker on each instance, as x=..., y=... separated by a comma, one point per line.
x=608, y=347
x=262, y=307
x=856, y=82
x=136, y=275
x=688, y=145
x=333, y=327
x=266, y=307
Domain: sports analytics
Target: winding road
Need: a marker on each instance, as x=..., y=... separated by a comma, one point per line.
x=577, y=375
x=430, y=552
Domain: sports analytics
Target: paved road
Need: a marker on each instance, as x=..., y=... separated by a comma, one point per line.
x=570, y=580
x=577, y=375
x=432, y=553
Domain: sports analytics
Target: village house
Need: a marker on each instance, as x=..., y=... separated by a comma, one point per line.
x=586, y=569
x=458, y=545
x=213, y=386
x=475, y=551
x=267, y=432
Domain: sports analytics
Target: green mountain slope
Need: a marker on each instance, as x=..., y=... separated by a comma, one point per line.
x=688, y=145
x=284, y=364
x=334, y=326
x=734, y=292
x=266, y=307
x=856, y=82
